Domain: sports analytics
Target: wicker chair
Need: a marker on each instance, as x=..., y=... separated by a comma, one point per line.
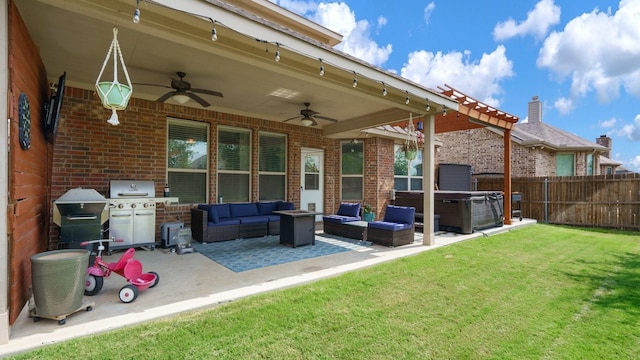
x=397, y=228
x=332, y=224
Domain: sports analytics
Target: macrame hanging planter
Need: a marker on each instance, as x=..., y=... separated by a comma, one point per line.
x=114, y=96
x=410, y=146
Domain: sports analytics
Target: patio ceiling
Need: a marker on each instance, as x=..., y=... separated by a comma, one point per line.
x=74, y=36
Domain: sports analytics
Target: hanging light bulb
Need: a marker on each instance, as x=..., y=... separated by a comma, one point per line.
x=277, y=52
x=214, y=33
x=355, y=80
x=428, y=106
x=136, y=13
x=321, y=68
x=444, y=110
x=384, y=89
x=406, y=101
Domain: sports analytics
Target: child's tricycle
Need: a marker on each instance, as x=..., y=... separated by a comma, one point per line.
x=127, y=267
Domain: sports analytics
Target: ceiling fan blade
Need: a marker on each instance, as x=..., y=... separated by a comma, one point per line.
x=295, y=117
x=197, y=98
x=208, y=92
x=325, y=118
x=166, y=96
x=156, y=85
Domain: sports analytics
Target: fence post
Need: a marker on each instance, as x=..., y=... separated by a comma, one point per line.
x=546, y=200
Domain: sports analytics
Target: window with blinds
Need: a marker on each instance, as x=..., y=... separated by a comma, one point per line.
x=234, y=164
x=590, y=164
x=407, y=174
x=272, y=166
x=352, y=174
x=188, y=160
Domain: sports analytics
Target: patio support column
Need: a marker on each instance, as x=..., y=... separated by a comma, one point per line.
x=4, y=175
x=428, y=179
x=507, y=176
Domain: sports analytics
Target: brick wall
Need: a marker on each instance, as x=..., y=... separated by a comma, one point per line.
x=28, y=203
x=483, y=149
x=90, y=153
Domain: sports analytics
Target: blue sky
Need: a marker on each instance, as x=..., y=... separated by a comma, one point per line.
x=581, y=57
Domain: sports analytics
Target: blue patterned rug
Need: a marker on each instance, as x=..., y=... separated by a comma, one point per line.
x=255, y=253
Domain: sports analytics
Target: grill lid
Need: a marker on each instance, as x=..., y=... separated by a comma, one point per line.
x=80, y=195
x=124, y=189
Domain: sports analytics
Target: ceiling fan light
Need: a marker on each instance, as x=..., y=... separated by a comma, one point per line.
x=306, y=121
x=181, y=98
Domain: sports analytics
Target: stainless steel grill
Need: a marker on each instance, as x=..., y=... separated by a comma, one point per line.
x=132, y=213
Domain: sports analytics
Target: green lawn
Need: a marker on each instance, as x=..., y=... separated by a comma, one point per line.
x=540, y=292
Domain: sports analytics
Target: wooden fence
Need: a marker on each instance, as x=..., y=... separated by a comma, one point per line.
x=607, y=201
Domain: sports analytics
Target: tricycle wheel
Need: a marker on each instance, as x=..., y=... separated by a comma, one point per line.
x=157, y=280
x=128, y=293
x=92, y=284
x=62, y=322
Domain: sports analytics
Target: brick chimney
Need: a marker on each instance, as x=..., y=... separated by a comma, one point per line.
x=535, y=110
x=605, y=141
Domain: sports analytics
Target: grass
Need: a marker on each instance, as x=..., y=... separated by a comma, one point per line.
x=540, y=292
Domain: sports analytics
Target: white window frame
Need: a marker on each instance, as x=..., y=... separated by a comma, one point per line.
x=220, y=194
x=284, y=171
x=205, y=170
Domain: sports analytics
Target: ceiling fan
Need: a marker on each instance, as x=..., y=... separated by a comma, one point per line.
x=309, y=116
x=183, y=91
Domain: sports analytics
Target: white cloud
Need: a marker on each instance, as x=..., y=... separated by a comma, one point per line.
x=564, y=105
x=479, y=79
x=543, y=16
x=631, y=131
x=606, y=124
x=599, y=52
x=339, y=17
x=427, y=12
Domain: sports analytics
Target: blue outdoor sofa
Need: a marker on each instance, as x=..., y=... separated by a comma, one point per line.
x=229, y=221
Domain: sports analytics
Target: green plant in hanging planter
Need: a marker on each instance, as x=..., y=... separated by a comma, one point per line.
x=410, y=150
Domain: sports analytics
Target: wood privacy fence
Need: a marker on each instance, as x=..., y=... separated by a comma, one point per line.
x=607, y=201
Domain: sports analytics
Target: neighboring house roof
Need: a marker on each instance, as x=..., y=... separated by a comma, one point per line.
x=538, y=133
x=605, y=161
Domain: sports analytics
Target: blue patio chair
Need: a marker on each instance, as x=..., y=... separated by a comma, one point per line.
x=332, y=224
x=397, y=228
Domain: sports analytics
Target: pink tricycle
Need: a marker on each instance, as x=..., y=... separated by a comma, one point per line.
x=127, y=267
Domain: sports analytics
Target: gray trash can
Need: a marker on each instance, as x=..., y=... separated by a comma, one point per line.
x=58, y=279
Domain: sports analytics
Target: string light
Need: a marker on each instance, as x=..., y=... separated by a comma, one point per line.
x=136, y=13
x=214, y=33
x=214, y=37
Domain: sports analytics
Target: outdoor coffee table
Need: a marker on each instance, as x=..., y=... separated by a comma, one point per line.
x=297, y=227
x=355, y=230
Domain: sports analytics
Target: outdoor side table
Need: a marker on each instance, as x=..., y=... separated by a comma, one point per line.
x=297, y=227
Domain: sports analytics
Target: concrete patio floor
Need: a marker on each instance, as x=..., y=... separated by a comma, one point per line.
x=192, y=281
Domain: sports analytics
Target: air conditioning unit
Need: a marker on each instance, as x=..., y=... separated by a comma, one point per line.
x=169, y=233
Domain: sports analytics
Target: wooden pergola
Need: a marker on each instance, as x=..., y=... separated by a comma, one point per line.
x=473, y=114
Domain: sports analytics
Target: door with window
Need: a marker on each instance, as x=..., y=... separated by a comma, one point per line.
x=311, y=183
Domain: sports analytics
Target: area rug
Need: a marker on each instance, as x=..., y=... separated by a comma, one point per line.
x=255, y=253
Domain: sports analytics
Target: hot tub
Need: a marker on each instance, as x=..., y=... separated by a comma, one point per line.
x=467, y=211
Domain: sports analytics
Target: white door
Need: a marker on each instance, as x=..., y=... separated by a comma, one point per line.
x=311, y=183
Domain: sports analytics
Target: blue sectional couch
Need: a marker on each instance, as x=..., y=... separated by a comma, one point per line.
x=228, y=221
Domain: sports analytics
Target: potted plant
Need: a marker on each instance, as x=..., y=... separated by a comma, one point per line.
x=367, y=212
